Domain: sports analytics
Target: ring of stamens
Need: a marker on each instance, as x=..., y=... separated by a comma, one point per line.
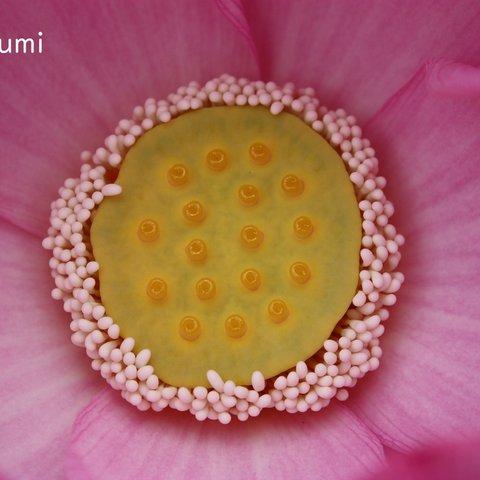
x=355, y=348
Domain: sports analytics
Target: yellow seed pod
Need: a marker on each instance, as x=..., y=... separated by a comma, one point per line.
x=243, y=274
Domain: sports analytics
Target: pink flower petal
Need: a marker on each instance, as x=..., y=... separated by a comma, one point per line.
x=111, y=440
x=450, y=462
x=44, y=379
x=99, y=61
x=357, y=54
x=428, y=143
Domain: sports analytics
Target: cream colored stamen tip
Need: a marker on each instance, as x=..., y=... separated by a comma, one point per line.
x=251, y=236
x=157, y=289
x=300, y=272
x=251, y=279
x=303, y=227
x=177, y=175
x=217, y=160
x=248, y=195
x=235, y=326
x=260, y=153
x=196, y=250
x=148, y=230
x=278, y=310
x=205, y=289
x=194, y=212
x=190, y=328
x=292, y=185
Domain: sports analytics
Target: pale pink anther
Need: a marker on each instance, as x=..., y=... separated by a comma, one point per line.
x=142, y=357
x=229, y=387
x=213, y=396
x=292, y=379
x=276, y=108
x=228, y=401
x=127, y=345
x=153, y=382
x=215, y=380
x=258, y=381
x=241, y=391
x=252, y=396
x=320, y=370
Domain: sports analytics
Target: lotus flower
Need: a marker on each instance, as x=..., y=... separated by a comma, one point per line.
x=404, y=68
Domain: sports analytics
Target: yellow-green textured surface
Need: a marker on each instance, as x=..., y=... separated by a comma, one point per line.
x=127, y=264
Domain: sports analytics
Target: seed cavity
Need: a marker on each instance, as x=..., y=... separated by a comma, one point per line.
x=190, y=328
x=303, y=227
x=177, y=175
x=292, y=185
x=251, y=236
x=194, y=212
x=300, y=272
x=217, y=160
x=235, y=326
x=260, y=153
x=251, y=279
x=205, y=289
x=248, y=195
x=196, y=250
x=148, y=230
x=157, y=289
x=278, y=311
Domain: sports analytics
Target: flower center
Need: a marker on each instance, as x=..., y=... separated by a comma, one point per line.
x=233, y=246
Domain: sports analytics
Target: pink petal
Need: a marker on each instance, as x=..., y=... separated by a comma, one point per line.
x=100, y=60
x=357, y=54
x=111, y=440
x=450, y=462
x=429, y=141
x=44, y=379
